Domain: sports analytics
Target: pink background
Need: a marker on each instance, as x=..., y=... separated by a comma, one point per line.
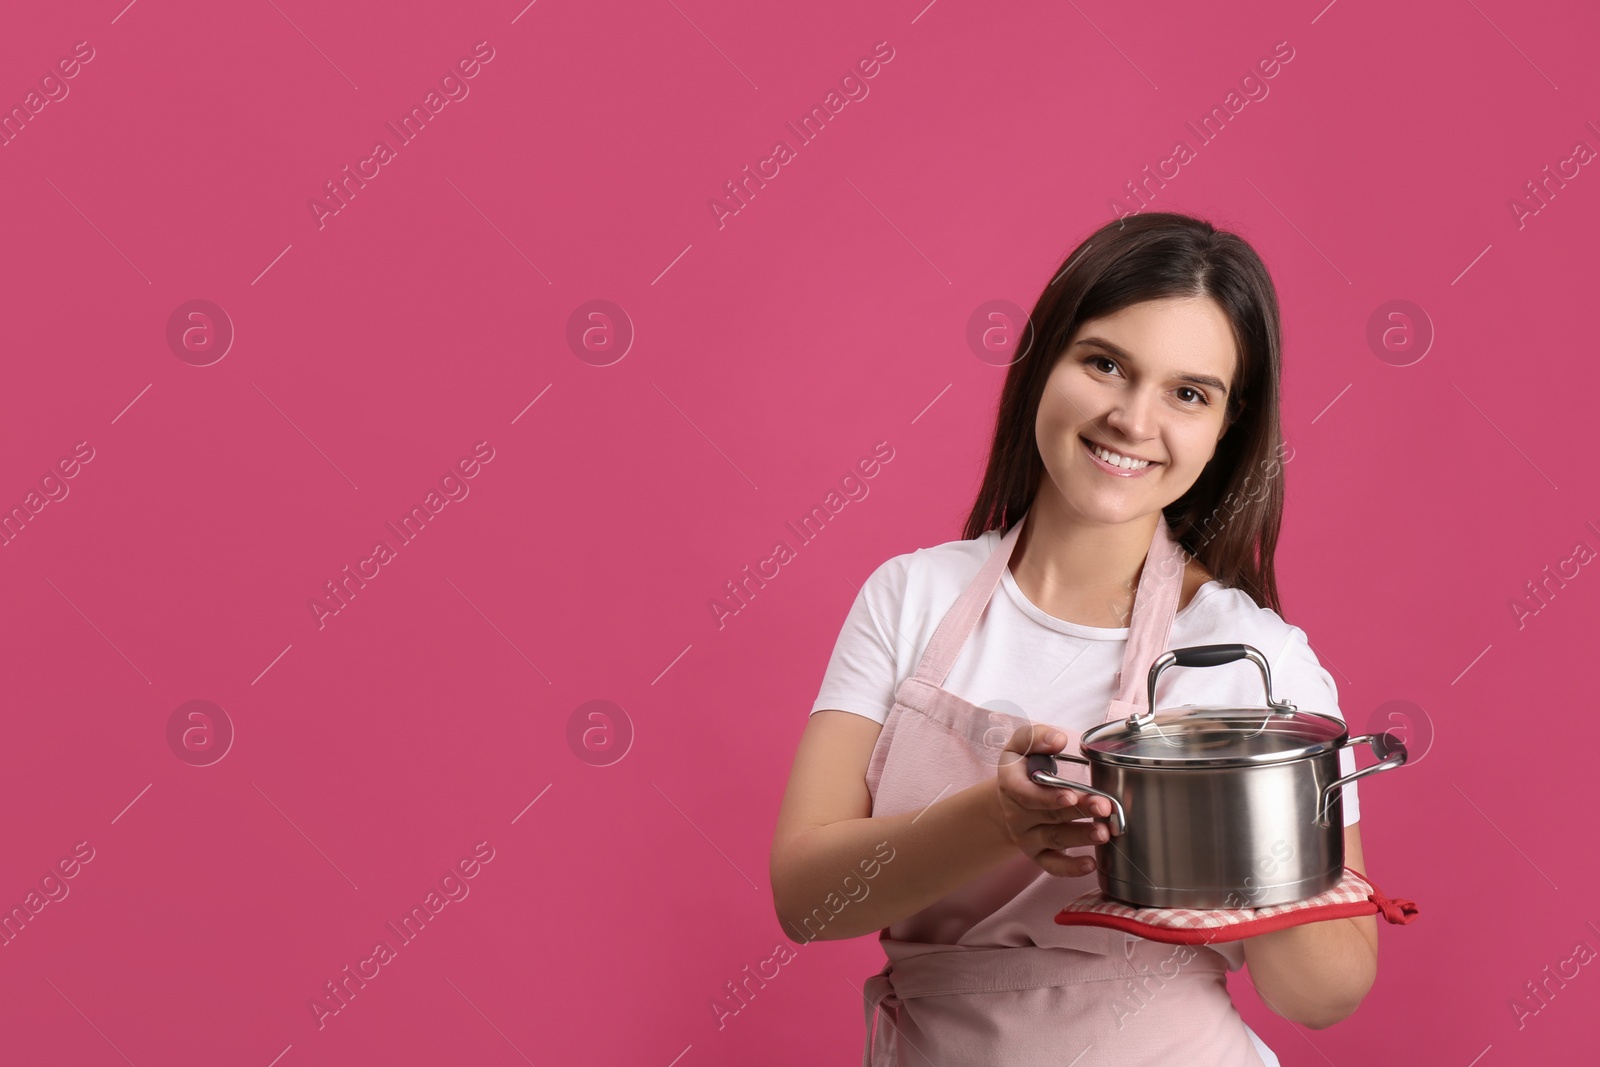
x=371, y=354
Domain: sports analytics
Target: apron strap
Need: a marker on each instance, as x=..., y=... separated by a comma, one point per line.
x=957, y=624
x=1155, y=605
x=882, y=1010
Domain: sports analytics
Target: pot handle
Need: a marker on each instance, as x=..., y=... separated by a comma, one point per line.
x=1042, y=771
x=1391, y=753
x=1207, y=656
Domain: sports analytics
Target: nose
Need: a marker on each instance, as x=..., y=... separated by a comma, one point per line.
x=1133, y=415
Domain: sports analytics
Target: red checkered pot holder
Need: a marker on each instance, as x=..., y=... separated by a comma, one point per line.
x=1353, y=895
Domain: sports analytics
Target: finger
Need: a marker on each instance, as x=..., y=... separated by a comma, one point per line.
x=1069, y=834
x=1020, y=789
x=1091, y=806
x=1041, y=840
x=1027, y=793
x=1062, y=806
x=1083, y=813
x=1074, y=803
x=1036, y=737
x=1025, y=741
x=1051, y=804
x=1063, y=865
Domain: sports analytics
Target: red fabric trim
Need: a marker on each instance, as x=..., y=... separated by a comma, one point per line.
x=1393, y=909
x=1235, y=932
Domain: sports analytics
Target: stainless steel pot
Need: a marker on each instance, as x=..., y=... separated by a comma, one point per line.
x=1218, y=807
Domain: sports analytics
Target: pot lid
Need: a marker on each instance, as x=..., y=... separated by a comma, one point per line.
x=1201, y=736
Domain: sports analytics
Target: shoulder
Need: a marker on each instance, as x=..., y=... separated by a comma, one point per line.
x=938, y=572
x=891, y=621
x=1226, y=614
x=1222, y=614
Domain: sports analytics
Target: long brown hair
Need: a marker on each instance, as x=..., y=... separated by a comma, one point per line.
x=1229, y=518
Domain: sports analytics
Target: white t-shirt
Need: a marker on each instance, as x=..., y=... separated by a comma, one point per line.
x=1022, y=661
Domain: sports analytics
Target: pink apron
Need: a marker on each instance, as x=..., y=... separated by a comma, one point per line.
x=985, y=975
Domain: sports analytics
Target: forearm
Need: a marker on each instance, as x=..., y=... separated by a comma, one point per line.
x=833, y=881
x=1315, y=974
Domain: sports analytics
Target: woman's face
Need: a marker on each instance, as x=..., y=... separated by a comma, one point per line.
x=1149, y=382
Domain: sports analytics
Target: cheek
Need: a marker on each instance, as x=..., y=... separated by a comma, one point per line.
x=1047, y=423
x=1056, y=430
x=1052, y=437
x=1062, y=407
x=1194, y=449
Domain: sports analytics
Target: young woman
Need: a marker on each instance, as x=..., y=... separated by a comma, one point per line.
x=1142, y=428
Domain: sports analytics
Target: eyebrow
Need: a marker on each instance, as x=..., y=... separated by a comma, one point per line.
x=1122, y=353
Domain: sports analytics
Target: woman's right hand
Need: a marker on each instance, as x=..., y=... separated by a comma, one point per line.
x=1043, y=819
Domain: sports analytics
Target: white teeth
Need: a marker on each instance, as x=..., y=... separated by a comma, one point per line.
x=1117, y=460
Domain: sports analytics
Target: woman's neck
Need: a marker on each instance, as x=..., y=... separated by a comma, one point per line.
x=1078, y=571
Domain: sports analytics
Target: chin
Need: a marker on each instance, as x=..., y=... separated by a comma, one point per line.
x=1101, y=508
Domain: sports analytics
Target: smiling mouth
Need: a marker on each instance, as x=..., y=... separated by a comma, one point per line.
x=1116, y=459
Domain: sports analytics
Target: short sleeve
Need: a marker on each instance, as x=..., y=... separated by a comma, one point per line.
x=861, y=673
x=1299, y=677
